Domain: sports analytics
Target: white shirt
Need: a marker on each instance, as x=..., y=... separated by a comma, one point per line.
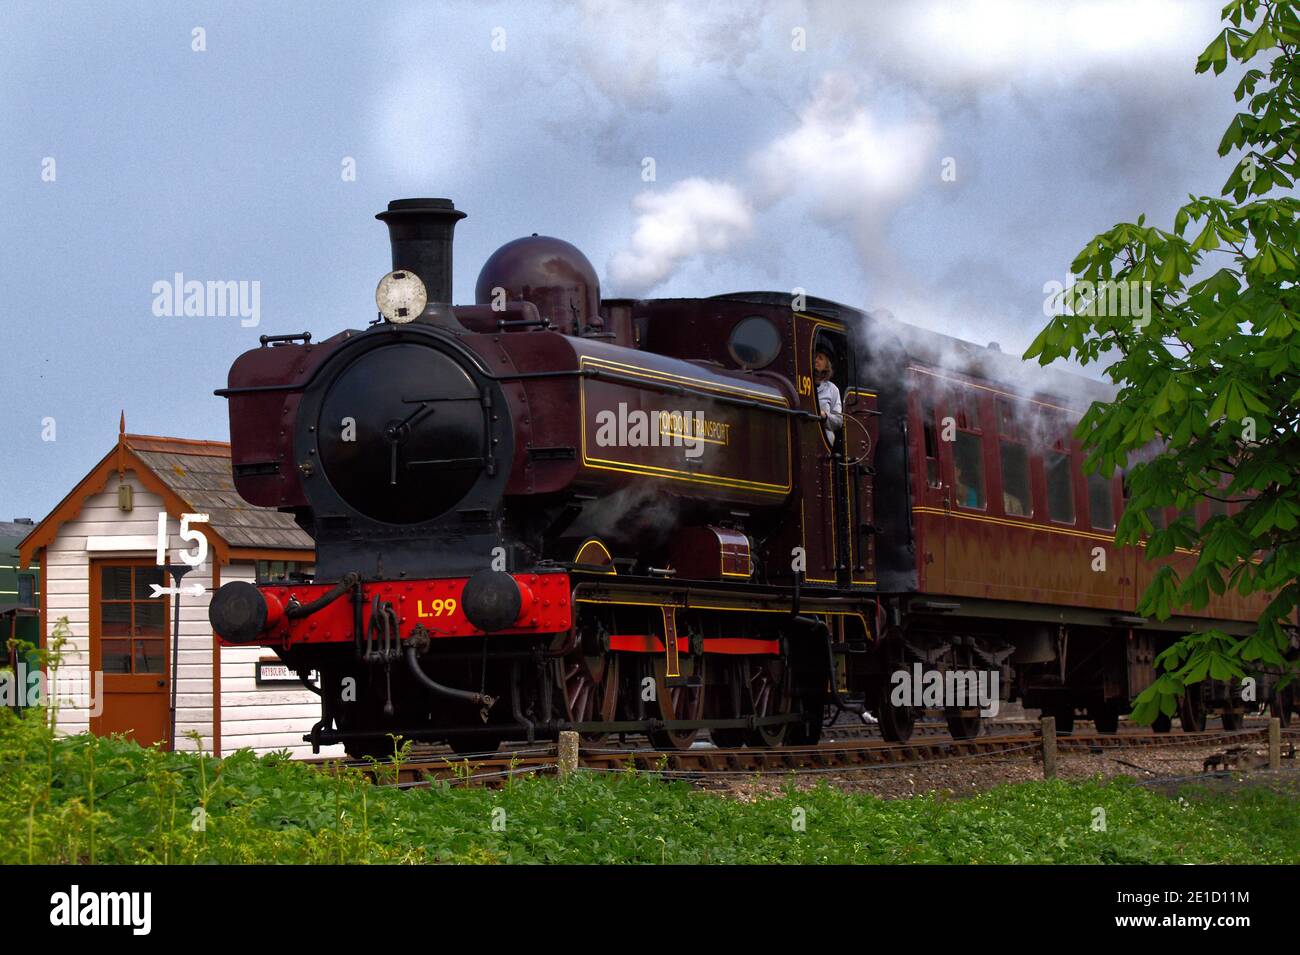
x=828, y=400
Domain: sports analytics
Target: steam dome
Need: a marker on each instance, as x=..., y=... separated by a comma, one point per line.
x=552, y=274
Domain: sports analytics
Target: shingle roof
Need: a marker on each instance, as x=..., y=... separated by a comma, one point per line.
x=199, y=473
x=13, y=531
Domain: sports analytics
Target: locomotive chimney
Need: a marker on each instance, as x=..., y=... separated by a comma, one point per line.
x=420, y=232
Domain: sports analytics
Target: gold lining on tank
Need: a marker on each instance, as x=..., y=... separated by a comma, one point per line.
x=674, y=474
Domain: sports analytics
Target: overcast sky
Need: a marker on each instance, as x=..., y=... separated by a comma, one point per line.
x=794, y=144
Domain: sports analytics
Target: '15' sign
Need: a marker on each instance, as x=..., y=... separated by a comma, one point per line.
x=189, y=534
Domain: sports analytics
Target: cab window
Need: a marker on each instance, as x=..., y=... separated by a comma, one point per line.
x=754, y=342
x=931, y=435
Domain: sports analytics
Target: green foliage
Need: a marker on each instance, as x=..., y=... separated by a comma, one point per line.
x=84, y=799
x=1209, y=379
x=48, y=658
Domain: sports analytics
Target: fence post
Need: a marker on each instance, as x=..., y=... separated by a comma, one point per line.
x=1049, y=747
x=1275, y=743
x=568, y=752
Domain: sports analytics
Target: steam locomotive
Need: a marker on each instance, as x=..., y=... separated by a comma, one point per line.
x=549, y=510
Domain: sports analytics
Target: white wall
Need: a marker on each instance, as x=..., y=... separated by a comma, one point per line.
x=262, y=718
x=65, y=578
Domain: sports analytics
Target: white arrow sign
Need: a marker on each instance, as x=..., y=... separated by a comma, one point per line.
x=194, y=590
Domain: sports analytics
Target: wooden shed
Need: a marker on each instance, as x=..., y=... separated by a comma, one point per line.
x=99, y=554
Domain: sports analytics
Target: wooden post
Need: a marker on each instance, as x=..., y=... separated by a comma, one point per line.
x=1275, y=743
x=568, y=751
x=1049, y=747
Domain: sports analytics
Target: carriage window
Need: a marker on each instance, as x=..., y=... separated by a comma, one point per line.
x=1060, y=487
x=1217, y=508
x=931, y=445
x=273, y=570
x=968, y=461
x=26, y=590
x=967, y=410
x=1015, y=480
x=1100, y=509
x=1008, y=423
x=754, y=342
x=1156, y=515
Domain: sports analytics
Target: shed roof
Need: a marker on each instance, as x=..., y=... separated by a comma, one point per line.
x=14, y=531
x=204, y=479
x=191, y=477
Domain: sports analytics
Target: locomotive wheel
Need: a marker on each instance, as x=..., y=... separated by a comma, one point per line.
x=768, y=692
x=1233, y=712
x=1192, y=709
x=807, y=733
x=1281, y=705
x=896, y=722
x=962, y=725
x=1064, y=719
x=677, y=702
x=1105, y=717
x=731, y=696
x=724, y=738
x=1162, y=724
x=356, y=717
x=369, y=749
x=590, y=685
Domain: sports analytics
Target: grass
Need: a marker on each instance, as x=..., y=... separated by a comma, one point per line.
x=90, y=800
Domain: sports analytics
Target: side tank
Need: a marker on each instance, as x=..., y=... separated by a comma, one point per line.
x=593, y=417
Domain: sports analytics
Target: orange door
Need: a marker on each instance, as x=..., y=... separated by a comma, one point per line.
x=129, y=644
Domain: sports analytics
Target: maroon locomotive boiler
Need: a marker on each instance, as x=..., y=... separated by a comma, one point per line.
x=547, y=510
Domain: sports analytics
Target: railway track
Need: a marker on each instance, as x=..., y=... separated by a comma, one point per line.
x=836, y=755
x=856, y=730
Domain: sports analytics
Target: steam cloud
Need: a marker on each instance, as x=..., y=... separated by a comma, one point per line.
x=693, y=216
x=853, y=168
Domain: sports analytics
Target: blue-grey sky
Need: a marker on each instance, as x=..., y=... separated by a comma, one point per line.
x=795, y=144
